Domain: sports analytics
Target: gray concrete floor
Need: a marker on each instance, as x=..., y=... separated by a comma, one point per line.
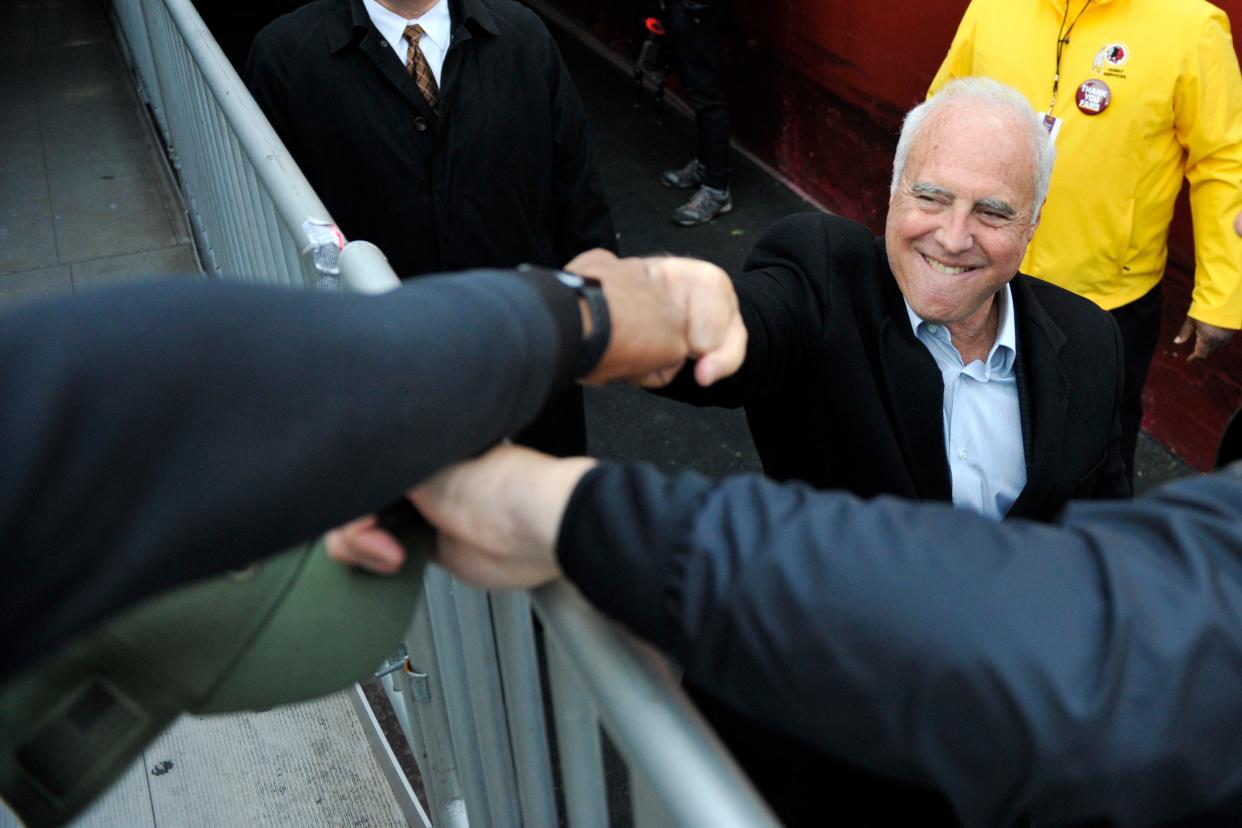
x=83, y=201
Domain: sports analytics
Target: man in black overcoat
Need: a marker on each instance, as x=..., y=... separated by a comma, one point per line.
x=460, y=145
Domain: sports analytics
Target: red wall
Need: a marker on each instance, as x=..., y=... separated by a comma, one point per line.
x=817, y=89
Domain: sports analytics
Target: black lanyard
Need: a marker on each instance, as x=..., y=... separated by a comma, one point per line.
x=1062, y=39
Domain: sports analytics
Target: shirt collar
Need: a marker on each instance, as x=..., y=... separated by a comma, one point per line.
x=1007, y=336
x=436, y=22
x=1006, y=332
x=344, y=18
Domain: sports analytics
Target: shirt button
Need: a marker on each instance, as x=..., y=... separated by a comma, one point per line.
x=962, y=454
x=420, y=123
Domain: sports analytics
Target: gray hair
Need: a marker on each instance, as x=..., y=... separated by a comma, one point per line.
x=998, y=96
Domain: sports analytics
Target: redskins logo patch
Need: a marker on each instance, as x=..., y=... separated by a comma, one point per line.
x=1111, y=56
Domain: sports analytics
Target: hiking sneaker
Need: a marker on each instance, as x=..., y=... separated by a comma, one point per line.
x=703, y=206
x=688, y=176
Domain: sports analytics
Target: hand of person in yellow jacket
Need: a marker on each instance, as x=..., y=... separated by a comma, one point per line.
x=1207, y=337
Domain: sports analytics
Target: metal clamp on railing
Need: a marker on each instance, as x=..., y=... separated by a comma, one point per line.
x=254, y=215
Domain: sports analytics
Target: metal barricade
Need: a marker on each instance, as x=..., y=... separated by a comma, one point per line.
x=254, y=216
x=467, y=685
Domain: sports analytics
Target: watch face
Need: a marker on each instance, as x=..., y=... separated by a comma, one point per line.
x=572, y=280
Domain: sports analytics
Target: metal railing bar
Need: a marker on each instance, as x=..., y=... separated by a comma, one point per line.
x=474, y=618
x=528, y=729
x=433, y=740
x=442, y=595
x=688, y=768
x=578, y=741
x=291, y=193
x=407, y=800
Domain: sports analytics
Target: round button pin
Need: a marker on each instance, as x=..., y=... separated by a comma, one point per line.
x=1093, y=97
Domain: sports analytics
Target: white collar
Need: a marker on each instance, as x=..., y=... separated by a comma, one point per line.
x=1006, y=333
x=436, y=22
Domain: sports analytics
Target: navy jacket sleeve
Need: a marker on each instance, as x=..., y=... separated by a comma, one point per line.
x=153, y=435
x=1051, y=672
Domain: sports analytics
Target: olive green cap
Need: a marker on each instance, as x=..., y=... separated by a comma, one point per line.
x=291, y=628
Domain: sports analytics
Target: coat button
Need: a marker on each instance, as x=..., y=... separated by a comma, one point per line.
x=420, y=123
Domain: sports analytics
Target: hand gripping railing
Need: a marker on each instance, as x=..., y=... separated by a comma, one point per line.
x=467, y=684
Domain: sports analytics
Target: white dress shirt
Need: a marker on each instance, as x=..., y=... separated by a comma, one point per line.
x=982, y=422
x=437, y=30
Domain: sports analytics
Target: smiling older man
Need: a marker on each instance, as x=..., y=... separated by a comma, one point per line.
x=920, y=364
x=924, y=364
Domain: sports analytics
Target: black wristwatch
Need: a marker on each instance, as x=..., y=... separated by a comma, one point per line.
x=590, y=290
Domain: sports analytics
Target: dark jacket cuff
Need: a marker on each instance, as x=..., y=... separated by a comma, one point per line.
x=622, y=543
x=562, y=303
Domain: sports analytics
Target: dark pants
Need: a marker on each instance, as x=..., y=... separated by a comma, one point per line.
x=809, y=789
x=1139, y=322
x=560, y=429
x=696, y=39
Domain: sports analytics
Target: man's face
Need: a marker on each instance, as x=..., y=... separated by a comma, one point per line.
x=960, y=219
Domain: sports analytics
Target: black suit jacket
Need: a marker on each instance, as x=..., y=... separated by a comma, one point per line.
x=841, y=394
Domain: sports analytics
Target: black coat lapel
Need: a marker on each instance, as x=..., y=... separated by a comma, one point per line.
x=1043, y=393
x=393, y=70
x=916, y=406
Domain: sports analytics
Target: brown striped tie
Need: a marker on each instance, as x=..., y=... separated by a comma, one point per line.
x=416, y=64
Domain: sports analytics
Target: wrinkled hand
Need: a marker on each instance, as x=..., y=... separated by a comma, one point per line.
x=499, y=515
x=1207, y=337
x=663, y=311
x=363, y=544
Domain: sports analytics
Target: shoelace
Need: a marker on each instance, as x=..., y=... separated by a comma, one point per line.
x=702, y=199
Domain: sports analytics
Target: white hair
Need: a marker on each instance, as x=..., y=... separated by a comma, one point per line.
x=995, y=95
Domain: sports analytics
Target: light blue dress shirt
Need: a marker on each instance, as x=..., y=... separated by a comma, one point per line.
x=982, y=423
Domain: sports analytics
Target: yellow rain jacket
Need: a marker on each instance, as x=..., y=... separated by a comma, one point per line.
x=1175, y=111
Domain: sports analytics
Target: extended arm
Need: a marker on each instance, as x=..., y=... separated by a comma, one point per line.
x=1051, y=672
x=155, y=435
x=1055, y=673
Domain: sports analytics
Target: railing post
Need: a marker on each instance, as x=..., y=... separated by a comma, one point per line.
x=578, y=741
x=528, y=730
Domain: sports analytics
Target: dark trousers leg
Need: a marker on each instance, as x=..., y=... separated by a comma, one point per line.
x=1139, y=322
x=696, y=37
x=560, y=429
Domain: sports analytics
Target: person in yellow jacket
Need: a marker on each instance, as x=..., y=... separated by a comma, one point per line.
x=1138, y=95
